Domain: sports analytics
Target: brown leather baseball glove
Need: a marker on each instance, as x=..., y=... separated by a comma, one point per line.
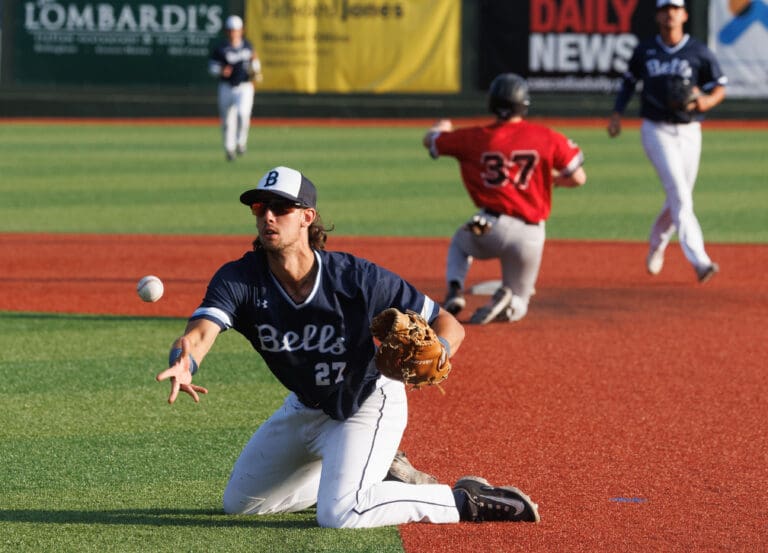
x=410, y=350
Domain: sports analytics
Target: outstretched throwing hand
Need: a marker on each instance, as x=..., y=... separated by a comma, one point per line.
x=181, y=376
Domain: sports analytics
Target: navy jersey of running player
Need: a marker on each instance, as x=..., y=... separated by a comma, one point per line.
x=321, y=349
x=653, y=62
x=239, y=57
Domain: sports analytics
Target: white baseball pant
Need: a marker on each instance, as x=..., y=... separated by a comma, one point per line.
x=300, y=456
x=235, y=105
x=518, y=245
x=674, y=151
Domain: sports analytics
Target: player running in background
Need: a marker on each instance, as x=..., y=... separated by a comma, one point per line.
x=234, y=62
x=672, y=136
x=509, y=168
x=307, y=312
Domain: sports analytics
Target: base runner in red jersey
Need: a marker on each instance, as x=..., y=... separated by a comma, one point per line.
x=509, y=168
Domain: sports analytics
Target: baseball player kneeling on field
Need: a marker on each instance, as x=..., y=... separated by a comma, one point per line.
x=509, y=168
x=309, y=313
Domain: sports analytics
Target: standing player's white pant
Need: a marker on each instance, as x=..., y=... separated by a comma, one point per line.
x=235, y=105
x=518, y=246
x=674, y=150
x=301, y=456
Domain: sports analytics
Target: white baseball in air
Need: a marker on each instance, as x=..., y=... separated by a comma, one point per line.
x=150, y=288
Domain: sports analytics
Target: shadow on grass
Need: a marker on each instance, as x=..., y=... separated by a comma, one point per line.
x=159, y=517
x=83, y=316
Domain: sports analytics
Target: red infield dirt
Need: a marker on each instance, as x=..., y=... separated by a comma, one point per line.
x=631, y=408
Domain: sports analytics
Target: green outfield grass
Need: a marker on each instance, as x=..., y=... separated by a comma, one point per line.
x=372, y=181
x=93, y=458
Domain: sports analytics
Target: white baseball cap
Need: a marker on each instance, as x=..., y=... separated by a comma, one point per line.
x=233, y=23
x=282, y=182
x=664, y=3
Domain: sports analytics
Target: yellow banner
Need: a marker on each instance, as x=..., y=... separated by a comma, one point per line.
x=399, y=46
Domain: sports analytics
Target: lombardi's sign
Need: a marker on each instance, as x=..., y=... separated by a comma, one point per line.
x=168, y=18
x=146, y=42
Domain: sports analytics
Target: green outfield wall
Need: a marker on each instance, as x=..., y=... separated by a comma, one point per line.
x=131, y=58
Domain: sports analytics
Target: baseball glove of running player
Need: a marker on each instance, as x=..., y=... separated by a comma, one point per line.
x=478, y=225
x=682, y=94
x=410, y=351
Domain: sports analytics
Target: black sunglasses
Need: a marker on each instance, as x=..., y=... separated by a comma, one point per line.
x=277, y=207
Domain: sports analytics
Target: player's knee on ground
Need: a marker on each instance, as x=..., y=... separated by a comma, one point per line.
x=337, y=515
x=235, y=503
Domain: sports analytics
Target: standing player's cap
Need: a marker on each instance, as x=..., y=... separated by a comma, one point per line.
x=664, y=3
x=282, y=182
x=233, y=23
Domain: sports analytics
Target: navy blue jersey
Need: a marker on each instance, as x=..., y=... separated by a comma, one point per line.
x=238, y=57
x=654, y=63
x=322, y=349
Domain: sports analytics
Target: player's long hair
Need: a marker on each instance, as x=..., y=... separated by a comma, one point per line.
x=318, y=235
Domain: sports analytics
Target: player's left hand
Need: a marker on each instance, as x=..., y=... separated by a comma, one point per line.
x=181, y=376
x=442, y=125
x=410, y=350
x=614, y=125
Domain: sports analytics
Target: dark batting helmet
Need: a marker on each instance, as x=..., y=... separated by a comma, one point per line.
x=508, y=96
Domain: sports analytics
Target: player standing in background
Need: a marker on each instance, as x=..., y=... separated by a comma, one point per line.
x=508, y=168
x=671, y=135
x=234, y=62
x=308, y=314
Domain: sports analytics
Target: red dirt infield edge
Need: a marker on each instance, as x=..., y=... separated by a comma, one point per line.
x=586, y=122
x=631, y=408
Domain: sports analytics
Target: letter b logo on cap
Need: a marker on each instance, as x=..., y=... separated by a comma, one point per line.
x=271, y=179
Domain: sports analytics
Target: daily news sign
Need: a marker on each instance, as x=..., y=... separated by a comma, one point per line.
x=563, y=45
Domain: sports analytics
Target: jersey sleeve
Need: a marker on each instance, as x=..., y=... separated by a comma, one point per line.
x=216, y=62
x=567, y=156
x=628, y=81
x=711, y=74
x=222, y=296
x=390, y=290
x=449, y=143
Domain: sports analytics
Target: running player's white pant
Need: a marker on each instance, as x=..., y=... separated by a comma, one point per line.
x=235, y=105
x=674, y=151
x=301, y=456
x=518, y=246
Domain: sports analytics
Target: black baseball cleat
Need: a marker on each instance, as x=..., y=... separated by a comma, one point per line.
x=499, y=302
x=478, y=501
x=454, y=299
x=706, y=273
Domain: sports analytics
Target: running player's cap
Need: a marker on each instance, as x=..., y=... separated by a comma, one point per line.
x=233, y=23
x=664, y=3
x=285, y=183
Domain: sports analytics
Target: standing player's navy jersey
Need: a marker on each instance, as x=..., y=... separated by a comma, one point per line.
x=655, y=64
x=238, y=57
x=321, y=349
